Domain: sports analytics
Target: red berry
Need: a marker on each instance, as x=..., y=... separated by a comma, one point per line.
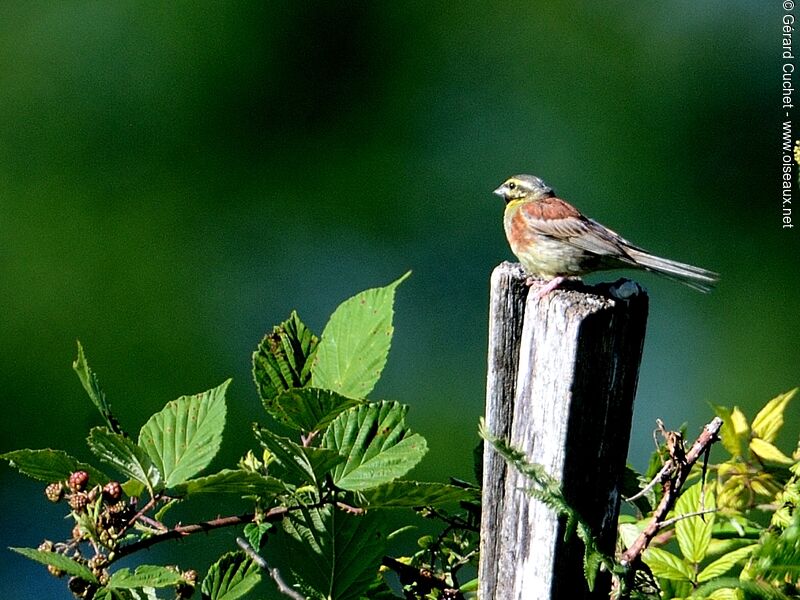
x=112, y=492
x=78, y=481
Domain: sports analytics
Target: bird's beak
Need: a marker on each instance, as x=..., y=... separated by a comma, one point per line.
x=500, y=192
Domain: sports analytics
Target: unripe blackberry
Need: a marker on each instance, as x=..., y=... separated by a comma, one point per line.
x=98, y=562
x=78, y=481
x=55, y=571
x=185, y=589
x=46, y=546
x=78, y=501
x=190, y=577
x=54, y=491
x=112, y=492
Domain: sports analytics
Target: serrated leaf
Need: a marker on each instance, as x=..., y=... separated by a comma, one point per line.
x=694, y=533
x=725, y=563
x=409, y=494
x=306, y=464
x=667, y=565
x=310, y=409
x=231, y=577
x=92, y=386
x=121, y=453
x=376, y=443
x=592, y=560
x=768, y=452
x=282, y=360
x=230, y=481
x=769, y=419
x=255, y=532
x=739, y=423
x=184, y=437
x=51, y=465
x=151, y=576
x=730, y=441
x=66, y=564
x=333, y=554
x=355, y=343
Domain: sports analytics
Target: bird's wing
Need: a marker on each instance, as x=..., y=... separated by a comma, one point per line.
x=559, y=220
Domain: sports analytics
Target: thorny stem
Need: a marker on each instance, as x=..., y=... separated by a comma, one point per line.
x=180, y=531
x=672, y=488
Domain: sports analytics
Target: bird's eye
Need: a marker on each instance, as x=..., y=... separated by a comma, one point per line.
x=512, y=185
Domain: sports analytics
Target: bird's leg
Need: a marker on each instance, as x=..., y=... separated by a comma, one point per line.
x=549, y=287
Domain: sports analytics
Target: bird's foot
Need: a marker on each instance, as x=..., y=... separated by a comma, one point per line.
x=549, y=287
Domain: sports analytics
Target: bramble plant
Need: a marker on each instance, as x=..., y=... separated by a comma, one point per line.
x=737, y=531
x=317, y=495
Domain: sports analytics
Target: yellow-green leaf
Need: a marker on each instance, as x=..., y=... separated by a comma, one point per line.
x=769, y=420
x=734, y=430
x=694, y=533
x=768, y=452
x=725, y=563
x=667, y=565
x=739, y=422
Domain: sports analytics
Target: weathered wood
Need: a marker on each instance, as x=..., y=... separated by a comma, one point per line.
x=561, y=382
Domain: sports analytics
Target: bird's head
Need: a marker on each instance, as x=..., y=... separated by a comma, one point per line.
x=526, y=187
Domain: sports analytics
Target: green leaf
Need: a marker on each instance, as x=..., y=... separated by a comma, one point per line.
x=255, y=533
x=769, y=420
x=377, y=444
x=306, y=464
x=184, y=437
x=230, y=481
x=145, y=576
x=768, y=452
x=92, y=386
x=310, y=409
x=128, y=458
x=667, y=565
x=283, y=359
x=694, y=533
x=66, y=564
x=409, y=494
x=725, y=563
x=51, y=465
x=334, y=553
x=231, y=577
x=355, y=343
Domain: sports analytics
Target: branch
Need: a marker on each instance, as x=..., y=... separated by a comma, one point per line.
x=672, y=488
x=273, y=573
x=698, y=513
x=179, y=531
x=423, y=579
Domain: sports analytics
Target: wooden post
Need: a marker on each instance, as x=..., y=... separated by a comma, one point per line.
x=562, y=377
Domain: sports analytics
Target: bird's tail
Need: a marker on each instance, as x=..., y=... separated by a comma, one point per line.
x=694, y=277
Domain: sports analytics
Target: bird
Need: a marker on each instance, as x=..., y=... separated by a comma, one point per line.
x=554, y=241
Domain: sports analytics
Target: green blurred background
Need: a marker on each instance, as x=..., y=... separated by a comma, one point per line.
x=177, y=177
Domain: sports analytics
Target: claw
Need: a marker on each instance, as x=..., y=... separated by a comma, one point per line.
x=549, y=287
